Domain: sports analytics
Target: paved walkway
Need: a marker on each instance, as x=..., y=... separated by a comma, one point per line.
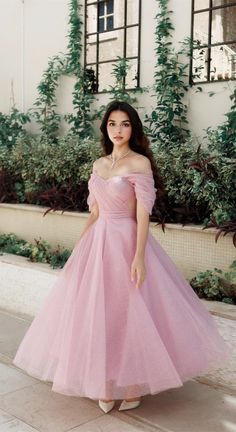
x=29, y=405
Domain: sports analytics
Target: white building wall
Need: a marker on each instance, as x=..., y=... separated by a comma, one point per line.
x=31, y=32
x=34, y=30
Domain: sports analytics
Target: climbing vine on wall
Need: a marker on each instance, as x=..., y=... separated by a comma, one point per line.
x=168, y=121
x=66, y=64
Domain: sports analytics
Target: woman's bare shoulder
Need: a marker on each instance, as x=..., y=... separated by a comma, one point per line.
x=141, y=163
x=98, y=163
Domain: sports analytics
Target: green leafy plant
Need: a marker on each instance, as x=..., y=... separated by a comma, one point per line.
x=119, y=91
x=168, y=122
x=11, y=127
x=81, y=120
x=216, y=284
x=52, y=174
x=223, y=138
x=44, y=109
x=66, y=64
x=41, y=251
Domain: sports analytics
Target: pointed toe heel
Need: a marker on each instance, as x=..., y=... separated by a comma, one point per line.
x=126, y=405
x=106, y=406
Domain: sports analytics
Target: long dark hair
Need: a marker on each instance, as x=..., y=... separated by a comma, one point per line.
x=138, y=141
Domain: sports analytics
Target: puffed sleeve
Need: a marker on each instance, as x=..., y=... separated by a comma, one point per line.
x=91, y=198
x=145, y=190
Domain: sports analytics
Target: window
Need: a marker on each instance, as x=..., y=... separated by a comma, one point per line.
x=106, y=15
x=112, y=32
x=214, y=37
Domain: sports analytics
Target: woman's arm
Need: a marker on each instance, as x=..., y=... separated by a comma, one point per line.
x=138, y=269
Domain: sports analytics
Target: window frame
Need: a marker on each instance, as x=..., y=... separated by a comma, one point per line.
x=209, y=45
x=110, y=34
x=105, y=16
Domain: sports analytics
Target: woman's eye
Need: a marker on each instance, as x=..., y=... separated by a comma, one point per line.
x=126, y=124
x=111, y=124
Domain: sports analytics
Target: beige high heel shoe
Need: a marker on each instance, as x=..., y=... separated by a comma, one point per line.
x=106, y=406
x=126, y=405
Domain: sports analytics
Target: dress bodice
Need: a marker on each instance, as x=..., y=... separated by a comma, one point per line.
x=117, y=195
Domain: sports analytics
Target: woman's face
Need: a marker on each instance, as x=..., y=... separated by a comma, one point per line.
x=119, y=128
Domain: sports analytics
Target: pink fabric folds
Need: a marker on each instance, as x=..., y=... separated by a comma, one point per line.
x=144, y=188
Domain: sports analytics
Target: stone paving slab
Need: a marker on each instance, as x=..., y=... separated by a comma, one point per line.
x=195, y=407
x=109, y=423
x=16, y=425
x=16, y=327
x=4, y=418
x=11, y=380
x=47, y=411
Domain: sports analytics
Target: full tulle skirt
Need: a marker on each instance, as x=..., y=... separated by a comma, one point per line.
x=96, y=335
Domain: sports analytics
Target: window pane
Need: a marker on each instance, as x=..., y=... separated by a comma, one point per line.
x=91, y=50
x=224, y=24
x=223, y=63
x=201, y=24
x=201, y=4
x=101, y=26
x=107, y=16
x=132, y=42
x=131, y=78
x=110, y=25
x=113, y=47
x=199, y=68
x=101, y=9
x=110, y=6
x=120, y=13
x=92, y=19
x=106, y=79
x=221, y=2
x=132, y=11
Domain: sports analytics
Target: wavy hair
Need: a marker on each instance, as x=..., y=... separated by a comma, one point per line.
x=138, y=141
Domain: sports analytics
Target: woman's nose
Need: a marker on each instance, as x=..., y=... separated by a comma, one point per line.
x=118, y=128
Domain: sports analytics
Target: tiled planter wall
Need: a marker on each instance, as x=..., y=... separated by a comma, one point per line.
x=191, y=248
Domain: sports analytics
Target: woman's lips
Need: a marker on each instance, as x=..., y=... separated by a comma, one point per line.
x=118, y=138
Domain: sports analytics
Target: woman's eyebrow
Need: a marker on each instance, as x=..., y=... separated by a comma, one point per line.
x=123, y=121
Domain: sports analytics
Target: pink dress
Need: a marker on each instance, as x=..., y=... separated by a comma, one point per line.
x=96, y=334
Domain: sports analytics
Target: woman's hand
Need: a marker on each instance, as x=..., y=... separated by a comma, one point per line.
x=138, y=270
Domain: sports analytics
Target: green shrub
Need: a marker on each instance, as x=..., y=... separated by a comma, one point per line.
x=216, y=284
x=42, y=166
x=41, y=251
x=200, y=182
x=11, y=127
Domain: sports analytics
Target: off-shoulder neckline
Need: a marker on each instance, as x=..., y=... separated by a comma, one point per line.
x=122, y=175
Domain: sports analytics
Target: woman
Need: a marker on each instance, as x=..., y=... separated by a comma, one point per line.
x=121, y=321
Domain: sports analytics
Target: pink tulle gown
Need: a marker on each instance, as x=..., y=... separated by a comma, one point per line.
x=96, y=335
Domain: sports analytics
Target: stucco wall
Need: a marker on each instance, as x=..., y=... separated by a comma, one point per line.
x=33, y=30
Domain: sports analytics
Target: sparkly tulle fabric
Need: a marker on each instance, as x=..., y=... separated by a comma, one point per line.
x=96, y=335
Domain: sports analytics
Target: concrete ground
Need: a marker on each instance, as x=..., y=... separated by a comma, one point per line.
x=29, y=405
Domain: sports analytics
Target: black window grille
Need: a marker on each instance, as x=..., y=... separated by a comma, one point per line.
x=213, y=33
x=112, y=32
